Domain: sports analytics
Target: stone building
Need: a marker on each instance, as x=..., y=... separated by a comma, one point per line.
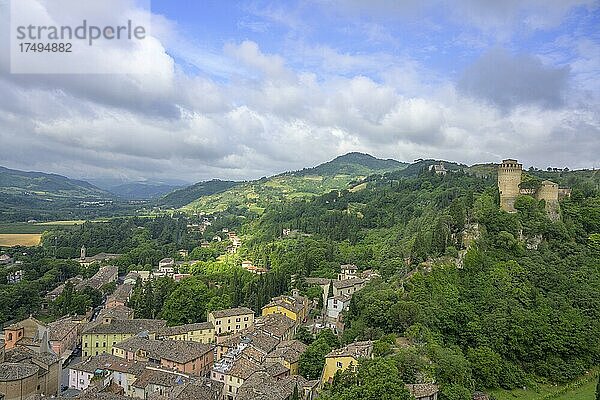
x=509, y=178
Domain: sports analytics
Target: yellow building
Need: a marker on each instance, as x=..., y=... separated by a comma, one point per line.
x=294, y=307
x=203, y=332
x=344, y=358
x=99, y=337
x=231, y=320
x=287, y=353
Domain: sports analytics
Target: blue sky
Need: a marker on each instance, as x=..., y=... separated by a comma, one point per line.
x=245, y=89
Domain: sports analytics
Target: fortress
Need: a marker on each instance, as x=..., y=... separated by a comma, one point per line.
x=509, y=180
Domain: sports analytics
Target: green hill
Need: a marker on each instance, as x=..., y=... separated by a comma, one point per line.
x=41, y=196
x=343, y=172
x=183, y=196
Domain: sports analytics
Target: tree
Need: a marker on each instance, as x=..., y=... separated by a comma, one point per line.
x=376, y=379
x=303, y=335
x=187, y=304
x=313, y=359
x=295, y=395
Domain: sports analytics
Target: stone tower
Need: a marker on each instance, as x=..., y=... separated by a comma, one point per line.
x=549, y=193
x=83, y=252
x=509, y=178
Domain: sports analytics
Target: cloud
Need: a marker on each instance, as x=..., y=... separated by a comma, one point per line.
x=246, y=109
x=511, y=80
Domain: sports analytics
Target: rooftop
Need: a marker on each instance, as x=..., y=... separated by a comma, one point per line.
x=132, y=326
x=160, y=377
x=276, y=325
x=181, y=329
x=180, y=351
x=356, y=350
x=289, y=350
x=15, y=371
x=232, y=312
x=59, y=329
x=346, y=283
x=295, y=304
x=111, y=363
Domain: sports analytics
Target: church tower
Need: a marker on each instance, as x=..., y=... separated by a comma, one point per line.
x=83, y=252
x=509, y=178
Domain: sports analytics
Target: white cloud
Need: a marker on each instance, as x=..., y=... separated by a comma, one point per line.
x=275, y=113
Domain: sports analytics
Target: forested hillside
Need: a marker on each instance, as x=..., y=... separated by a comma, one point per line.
x=343, y=172
x=492, y=299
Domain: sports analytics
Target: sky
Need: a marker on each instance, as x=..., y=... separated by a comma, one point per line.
x=241, y=90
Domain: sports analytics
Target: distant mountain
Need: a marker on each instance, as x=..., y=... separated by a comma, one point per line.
x=343, y=172
x=41, y=196
x=47, y=185
x=183, y=196
x=142, y=190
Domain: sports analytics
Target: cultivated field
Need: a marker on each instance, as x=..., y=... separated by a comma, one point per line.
x=19, y=239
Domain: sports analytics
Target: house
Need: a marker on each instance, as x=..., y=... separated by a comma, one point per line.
x=232, y=371
x=63, y=336
x=335, y=306
x=166, y=262
x=87, y=261
x=288, y=353
x=260, y=343
x=347, y=271
x=423, y=391
x=105, y=275
x=29, y=333
x=157, y=381
x=347, y=286
x=28, y=374
x=231, y=320
x=278, y=326
x=202, y=332
x=294, y=307
x=438, y=168
x=117, y=312
x=100, y=336
x=193, y=358
x=14, y=277
x=198, y=388
x=132, y=276
x=262, y=386
x=344, y=358
x=5, y=259
x=124, y=372
x=120, y=296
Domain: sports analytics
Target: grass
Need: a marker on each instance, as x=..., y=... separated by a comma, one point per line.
x=585, y=392
x=583, y=388
x=19, y=239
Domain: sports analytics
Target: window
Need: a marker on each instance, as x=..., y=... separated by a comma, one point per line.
x=228, y=320
x=237, y=327
x=85, y=344
x=96, y=344
x=245, y=318
x=10, y=336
